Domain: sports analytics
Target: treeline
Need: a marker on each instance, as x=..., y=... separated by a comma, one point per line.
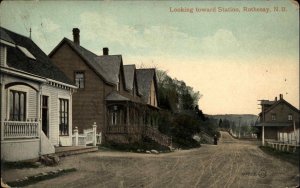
x=174, y=94
x=181, y=117
x=239, y=129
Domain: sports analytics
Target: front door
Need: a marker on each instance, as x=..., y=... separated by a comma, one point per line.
x=45, y=122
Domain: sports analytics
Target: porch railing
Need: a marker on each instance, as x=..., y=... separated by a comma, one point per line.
x=20, y=129
x=89, y=136
x=157, y=136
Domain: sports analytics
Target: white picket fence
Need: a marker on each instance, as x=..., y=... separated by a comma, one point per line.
x=89, y=136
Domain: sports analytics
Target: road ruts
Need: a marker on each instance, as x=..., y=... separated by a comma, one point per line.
x=232, y=163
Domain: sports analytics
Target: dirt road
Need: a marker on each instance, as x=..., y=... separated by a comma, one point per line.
x=232, y=163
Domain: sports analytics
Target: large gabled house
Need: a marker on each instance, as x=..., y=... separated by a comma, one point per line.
x=36, y=100
x=280, y=120
x=109, y=92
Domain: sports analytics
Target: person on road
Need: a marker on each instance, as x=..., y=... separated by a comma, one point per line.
x=215, y=140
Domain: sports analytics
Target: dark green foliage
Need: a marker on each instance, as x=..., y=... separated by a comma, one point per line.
x=174, y=94
x=145, y=144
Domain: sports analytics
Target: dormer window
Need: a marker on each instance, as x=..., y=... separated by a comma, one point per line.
x=79, y=79
x=26, y=52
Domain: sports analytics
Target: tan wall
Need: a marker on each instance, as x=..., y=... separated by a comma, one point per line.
x=87, y=102
x=282, y=111
x=152, y=100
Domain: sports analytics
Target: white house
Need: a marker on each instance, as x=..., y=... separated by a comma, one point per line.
x=36, y=100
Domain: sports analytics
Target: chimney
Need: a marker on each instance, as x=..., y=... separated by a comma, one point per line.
x=105, y=51
x=280, y=96
x=76, y=36
x=275, y=98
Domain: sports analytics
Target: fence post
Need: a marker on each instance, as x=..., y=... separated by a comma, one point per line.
x=94, y=134
x=76, y=136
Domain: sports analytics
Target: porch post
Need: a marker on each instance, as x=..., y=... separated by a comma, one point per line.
x=76, y=136
x=94, y=134
x=127, y=114
x=38, y=113
x=263, y=135
x=2, y=107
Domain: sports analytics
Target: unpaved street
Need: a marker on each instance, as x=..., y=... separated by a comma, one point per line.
x=232, y=163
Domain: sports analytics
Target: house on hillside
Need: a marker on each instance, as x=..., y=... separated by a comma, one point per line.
x=109, y=93
x=280, y=120
x=36, y=100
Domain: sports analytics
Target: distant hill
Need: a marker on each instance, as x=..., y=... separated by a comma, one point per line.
x=246, y=119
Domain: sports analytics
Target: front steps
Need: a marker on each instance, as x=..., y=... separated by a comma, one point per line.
x=74, y=150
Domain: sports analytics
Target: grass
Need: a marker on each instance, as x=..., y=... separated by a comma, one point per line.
x=291, y=157
x=40, y=177
x=17, y=165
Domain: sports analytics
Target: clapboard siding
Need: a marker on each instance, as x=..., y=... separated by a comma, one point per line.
x=54, y=95
x=87, y=107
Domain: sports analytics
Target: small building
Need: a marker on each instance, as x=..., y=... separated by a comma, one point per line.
x=36, y=100
x=279, y=118
x=116, y=96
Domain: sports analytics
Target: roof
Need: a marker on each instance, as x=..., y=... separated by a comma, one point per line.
x=144, y=79
x=5, y=36
x=280, y=102
x=115, y=96
x=20, y=59
x=107, y=66
x=274, y=124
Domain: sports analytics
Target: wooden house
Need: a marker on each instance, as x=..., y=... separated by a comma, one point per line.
x=36, y=100
x=279, y=117
x=109, y=93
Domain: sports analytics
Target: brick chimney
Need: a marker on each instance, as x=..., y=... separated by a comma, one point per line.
x=275, y=98
x=280, y=96
x=76, y=36
x=105, y=51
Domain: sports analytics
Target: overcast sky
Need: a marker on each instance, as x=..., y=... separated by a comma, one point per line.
x=232, y=58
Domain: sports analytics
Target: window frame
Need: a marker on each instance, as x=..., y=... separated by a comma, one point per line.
x=84, y=78
x=64, y=116
x=290, y=117
x=273, y=117
x=12, y=105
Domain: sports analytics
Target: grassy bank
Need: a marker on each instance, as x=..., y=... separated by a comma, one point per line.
x=290, y=157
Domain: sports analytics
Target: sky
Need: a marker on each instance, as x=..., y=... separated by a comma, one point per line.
x=234, y=55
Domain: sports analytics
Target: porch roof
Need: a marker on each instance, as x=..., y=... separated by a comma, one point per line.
x=274, y=124
x=114, y=96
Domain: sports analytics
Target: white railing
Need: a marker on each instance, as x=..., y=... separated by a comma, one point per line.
x=89, y=136
x=20, y=129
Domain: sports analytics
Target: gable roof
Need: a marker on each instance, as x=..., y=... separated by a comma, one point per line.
x=144, y=79
x=40, y=66
x=107, y=66
x=282, y=101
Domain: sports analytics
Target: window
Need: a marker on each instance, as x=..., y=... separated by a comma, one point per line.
x=79, y=79
x=114, y=118
x=273, y=117
x=17, y=106
x=63, y=117
x=290, y=117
